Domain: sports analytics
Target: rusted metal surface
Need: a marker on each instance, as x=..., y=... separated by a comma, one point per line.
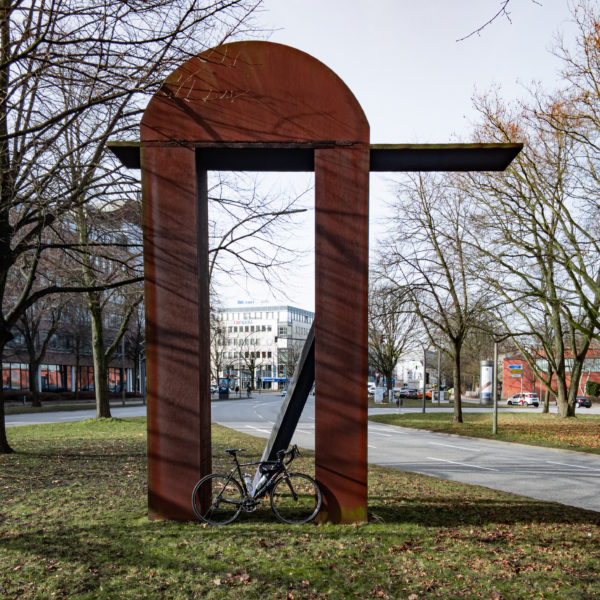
x=253, y=92
x=261, y=106
x=341, y=279
x=272, y=97
x=177, y=330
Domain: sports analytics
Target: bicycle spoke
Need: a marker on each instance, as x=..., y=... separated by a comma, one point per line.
x=222, y=497
x=296, y=498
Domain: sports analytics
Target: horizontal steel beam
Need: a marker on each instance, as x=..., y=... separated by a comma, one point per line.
x=300, y=157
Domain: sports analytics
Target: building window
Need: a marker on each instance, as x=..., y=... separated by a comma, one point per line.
x=15, y=376
x=116, y=379
x=86, y=378
x=55, y=378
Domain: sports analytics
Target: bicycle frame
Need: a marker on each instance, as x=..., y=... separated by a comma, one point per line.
x=279, y=470
x=274, y=481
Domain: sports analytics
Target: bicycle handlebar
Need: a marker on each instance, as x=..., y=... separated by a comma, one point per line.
x=292, y=452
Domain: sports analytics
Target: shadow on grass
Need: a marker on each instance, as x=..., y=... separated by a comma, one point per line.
x=444, y=512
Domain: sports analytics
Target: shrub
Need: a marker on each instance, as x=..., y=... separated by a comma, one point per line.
x=592, y=388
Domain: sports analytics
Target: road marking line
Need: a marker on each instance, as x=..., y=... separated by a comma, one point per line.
x=369, y=446
x=460, y=463
x=379, y=433
x=257, y=429
x=454, y=446
x=552, y=462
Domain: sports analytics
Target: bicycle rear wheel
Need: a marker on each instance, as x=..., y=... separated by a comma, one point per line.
x=217, y=499
x=296, y=499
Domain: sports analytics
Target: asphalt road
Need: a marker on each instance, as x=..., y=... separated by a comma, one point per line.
x=571, y=478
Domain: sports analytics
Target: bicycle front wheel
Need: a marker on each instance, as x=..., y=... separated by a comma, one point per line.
x=217, y=499
x=296, y=498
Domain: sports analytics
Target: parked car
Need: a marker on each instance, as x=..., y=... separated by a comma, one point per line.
x=583, y=401
x=283, y=392
x=524, y=399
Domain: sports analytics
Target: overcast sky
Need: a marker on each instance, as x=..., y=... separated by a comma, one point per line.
x=413, y=79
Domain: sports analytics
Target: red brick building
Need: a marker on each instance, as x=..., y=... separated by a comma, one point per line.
x=515, y=379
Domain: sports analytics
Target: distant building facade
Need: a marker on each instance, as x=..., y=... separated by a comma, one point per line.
x=259, y=345
x=67, y=364
x=518, y=376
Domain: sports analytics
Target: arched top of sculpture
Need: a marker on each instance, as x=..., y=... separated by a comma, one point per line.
x=254, y=92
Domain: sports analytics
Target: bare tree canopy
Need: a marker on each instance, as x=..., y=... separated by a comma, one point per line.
x=72, y=75
x=501, y=12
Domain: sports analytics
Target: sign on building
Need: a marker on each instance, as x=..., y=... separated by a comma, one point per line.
x=515, y=370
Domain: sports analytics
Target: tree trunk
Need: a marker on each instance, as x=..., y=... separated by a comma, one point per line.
x=100, y=363
x=562, y=400
x=33, y=384
x=547, y=393
x=458, y=418
x=77, y=374
x=546, y=401
x=388, y=384
x=4, y=445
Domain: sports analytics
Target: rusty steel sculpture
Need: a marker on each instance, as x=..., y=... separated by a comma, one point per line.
x=264, y=107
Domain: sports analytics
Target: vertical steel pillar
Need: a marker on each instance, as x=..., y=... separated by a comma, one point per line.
x=341, y=282
x=177, y=346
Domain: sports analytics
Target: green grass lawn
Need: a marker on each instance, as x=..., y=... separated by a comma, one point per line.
x=580, y=433
x=73, y=525
x=67, y=406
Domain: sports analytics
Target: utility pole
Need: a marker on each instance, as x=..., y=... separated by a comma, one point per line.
x=123, y=369
x=439, y=376
x=424, y=377
x=495, y=388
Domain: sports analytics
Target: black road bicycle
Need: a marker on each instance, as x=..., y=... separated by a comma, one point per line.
x=294, y=497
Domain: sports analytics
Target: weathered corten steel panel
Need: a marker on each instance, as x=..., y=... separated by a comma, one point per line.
x=254, y=92
x=341, y=278
x=264, y=94
x=177, y=348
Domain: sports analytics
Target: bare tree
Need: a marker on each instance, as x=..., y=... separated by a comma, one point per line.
x=501, y=12
x=392, y=328
x=250, y=228
x=117, y=257
x=75, y=321
x=114, y=53
x=532, y=248
x=37, y=326
x=428, y=257
x=218, y=339
x=136, y=344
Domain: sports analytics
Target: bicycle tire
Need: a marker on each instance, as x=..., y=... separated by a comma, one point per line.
x=300, y=509
x=226, y=498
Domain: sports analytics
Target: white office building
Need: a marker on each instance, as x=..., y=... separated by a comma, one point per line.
x=258, y=344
